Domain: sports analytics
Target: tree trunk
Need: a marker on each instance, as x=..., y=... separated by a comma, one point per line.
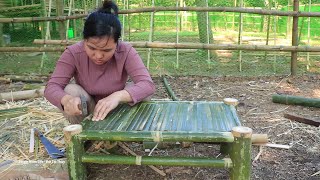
x=204, y=27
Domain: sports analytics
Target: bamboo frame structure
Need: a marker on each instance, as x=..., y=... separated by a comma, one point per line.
x=239, y=141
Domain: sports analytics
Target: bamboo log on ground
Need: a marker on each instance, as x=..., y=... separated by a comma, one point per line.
x=20, y=95
x=169, y=90
x=296, y=100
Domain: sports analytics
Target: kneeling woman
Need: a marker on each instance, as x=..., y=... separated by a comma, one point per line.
x=100, y=65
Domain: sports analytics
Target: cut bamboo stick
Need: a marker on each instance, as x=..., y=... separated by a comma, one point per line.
x=19, y=95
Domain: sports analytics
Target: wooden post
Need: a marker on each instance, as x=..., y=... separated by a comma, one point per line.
x=75, y=150
x=59, y=12
x=241, y=153
x=294, y=55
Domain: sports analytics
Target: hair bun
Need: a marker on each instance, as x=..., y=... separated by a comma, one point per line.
x=109, y=7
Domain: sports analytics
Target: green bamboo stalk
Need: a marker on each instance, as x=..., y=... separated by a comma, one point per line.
x=169, y=90
x=74, y=150
x=157, y=136
x=241, y=153
x=166, y=161
x=296, y=100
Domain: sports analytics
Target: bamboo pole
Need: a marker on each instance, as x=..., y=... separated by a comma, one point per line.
x=157, y=9
x=296, y=100
x=241, y=153
x=69, y=14
x=177, y=32
x=74, y=150
x=129, y=24
x=166, y=161
x=208, y=33
x=150, y=36
x=234, y=14
x=19, y=8
x=176, y=46
x=268, y=31
x=157, y=136
x=289, y=27
x=275, y=37
x=2, y=43
x=294, y=55
x=123, y=22
x=240, y=37
x=31, y=49
x=301, y=26
x=59, y=13
x=308, y=54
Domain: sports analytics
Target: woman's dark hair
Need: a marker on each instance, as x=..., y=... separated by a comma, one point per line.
x=103, y=22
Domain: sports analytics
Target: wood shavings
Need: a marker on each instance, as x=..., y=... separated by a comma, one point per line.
x=39, y=114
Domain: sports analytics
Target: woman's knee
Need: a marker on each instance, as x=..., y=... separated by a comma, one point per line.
x=74, y=89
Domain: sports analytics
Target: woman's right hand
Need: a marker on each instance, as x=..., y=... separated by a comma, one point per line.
x=71, y=105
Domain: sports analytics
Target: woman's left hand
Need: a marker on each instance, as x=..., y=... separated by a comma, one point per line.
x=105, y=105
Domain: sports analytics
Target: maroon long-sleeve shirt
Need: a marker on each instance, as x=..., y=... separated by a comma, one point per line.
x=100, y=80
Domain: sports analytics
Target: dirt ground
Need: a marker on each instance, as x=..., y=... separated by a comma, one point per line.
x=256, y=110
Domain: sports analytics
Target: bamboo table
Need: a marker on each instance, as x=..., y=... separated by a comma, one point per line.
x=165, y=121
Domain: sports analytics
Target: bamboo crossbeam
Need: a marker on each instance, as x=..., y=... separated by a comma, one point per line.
x=31, y=49
x=157, y=9
x=168, y=46
x=157, y=136
x=166, y=161
x=19, y=8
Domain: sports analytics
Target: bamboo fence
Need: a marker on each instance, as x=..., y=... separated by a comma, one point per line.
x=293, y=49
x=158, y=9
